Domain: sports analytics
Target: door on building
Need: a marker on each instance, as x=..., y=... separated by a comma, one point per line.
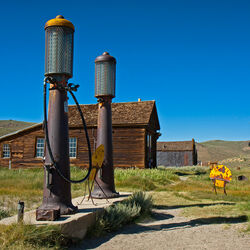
x=185, y=159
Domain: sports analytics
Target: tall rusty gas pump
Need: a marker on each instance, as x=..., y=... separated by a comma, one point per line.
x=105, y=69
x=59, y=36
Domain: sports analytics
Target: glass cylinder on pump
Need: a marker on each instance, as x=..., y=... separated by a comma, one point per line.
x=105, y=67
x=59, y=36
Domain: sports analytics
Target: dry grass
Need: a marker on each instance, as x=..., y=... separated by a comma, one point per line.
x=21, y=236
x=143, y=179
x=196, y=197
x=27, y=185
x=193, y=193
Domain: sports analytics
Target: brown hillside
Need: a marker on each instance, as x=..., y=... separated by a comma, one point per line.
x=9, y=126
x=223, y=151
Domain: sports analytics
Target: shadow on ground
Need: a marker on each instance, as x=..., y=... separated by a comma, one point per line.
x=137, y=228
x=195, y=173
x=194, y=205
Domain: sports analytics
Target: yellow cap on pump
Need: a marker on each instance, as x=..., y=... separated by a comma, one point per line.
x=59, y=21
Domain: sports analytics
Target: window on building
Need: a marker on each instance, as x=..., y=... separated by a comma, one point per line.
x=6, y=151
x=40, y=147
x=149, y=142
x=149, y=150
x=149, y=145
x=72, y=147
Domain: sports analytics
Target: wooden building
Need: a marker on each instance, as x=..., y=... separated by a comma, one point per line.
x=178, y=153
x=135, y=134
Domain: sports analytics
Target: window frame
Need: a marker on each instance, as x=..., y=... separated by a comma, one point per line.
x=149, y=145
x=8, y=151
x=149, y=157
x=75, y=147
x=36, y=153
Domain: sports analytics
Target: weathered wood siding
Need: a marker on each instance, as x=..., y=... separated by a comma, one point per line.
x=173, y=158
x=23, y=149
x=82, y=156
x=128, y=148
x=132, y=122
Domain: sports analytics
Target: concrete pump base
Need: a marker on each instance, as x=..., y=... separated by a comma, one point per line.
x=74, y=225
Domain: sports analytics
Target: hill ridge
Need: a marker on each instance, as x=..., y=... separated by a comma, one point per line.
x=9, y=126
x=226, y=151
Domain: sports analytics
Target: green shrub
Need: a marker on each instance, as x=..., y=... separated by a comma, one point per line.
x=114, y=217
x=4, y=214
x=142, y=200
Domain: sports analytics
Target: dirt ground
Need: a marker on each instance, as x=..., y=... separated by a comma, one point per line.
x=169, y=230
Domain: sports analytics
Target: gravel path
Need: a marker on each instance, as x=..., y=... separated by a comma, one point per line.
x=169, y=230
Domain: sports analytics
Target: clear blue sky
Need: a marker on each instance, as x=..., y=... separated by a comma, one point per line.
x=192, y=57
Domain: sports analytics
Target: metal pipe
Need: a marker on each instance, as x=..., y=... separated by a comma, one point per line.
x=105, y=177
x=20, y=211
x=57, y=191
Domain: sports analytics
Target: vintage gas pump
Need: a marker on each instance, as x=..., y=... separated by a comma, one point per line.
x=59, y=34
x=105, y=67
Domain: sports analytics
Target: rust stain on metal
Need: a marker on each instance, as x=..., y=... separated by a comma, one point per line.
x=47, y=215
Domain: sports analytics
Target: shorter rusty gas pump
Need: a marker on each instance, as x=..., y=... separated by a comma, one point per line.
x=58, y=70
x=105, y=72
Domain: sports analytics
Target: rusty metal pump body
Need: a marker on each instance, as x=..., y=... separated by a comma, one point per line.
x=58, y=66
x=105, y=66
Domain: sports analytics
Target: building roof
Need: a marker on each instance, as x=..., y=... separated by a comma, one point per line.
x=123, y=114
x=20, y=131
x=126, y=113
x=175, y=146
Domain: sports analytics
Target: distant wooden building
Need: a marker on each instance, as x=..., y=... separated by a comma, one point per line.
x=178, y=153
x=135, y=134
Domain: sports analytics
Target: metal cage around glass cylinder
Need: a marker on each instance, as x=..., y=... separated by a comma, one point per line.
x=105, y=68
x=59, y=35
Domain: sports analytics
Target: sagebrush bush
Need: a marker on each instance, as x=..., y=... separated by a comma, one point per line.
x=142, y=200
x=114, y=217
